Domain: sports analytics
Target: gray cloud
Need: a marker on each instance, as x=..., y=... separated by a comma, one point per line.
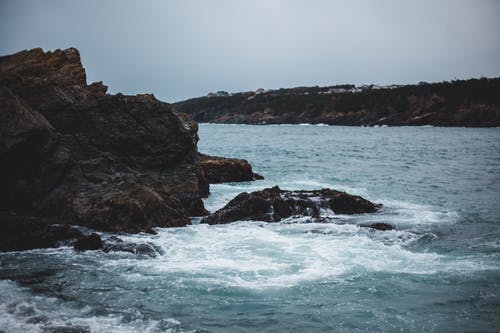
x=186, y=48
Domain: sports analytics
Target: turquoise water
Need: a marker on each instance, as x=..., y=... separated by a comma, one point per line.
x=439, y=271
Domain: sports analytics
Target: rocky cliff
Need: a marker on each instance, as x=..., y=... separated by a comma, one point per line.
x=472, y=103
x=72, y=154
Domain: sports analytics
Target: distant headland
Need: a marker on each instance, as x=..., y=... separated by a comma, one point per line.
x=460, y=103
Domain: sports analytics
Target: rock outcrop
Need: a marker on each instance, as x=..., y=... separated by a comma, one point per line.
x=274, y=204
x=226, y=170
x=72, y=154
x=470, y=103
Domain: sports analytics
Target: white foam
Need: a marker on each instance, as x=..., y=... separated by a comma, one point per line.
x=221, y=194
x=310, y=183
x=257, y=255
x=21, y=311
x=412, y=214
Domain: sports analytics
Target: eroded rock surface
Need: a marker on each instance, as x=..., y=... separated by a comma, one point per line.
x=274, y=204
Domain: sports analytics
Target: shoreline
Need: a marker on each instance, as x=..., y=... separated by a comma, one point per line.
x=347, y=126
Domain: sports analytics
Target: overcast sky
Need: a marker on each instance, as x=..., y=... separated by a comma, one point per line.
x=179, y=49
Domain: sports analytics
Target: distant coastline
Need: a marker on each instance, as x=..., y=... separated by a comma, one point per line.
x=462, y=103
x=327, y=125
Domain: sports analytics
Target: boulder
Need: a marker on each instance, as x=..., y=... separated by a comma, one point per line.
x=226, y=170
x=274, y=204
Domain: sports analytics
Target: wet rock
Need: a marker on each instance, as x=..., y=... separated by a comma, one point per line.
x=226, y=170
x=378, y=226
x=89, y=243
x=67, y=329
x=274, y=204
x=114, y=244
x=140, y=249
x=73, y=154
x=20, y=232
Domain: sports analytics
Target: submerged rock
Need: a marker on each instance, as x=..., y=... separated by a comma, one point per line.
x=226, y=170
x=67, y=329
x=274, y=204
x=378, y=226
x=72, y=154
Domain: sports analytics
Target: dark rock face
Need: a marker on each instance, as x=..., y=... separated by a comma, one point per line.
x=72, y=154
x=378, y=226
x=471, y=103
x=226, y=170
x=89, y=243
x=26, y=232
x=274, y=204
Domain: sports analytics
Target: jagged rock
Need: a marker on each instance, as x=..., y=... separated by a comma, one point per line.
x=71, y=153
x=378, y=226
x=226, y=170
x=89, y=243
x=274, y=204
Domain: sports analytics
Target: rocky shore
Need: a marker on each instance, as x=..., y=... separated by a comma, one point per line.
x=468, y=103
x=73, y=155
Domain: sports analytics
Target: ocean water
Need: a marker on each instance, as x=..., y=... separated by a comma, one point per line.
x=439, y=271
